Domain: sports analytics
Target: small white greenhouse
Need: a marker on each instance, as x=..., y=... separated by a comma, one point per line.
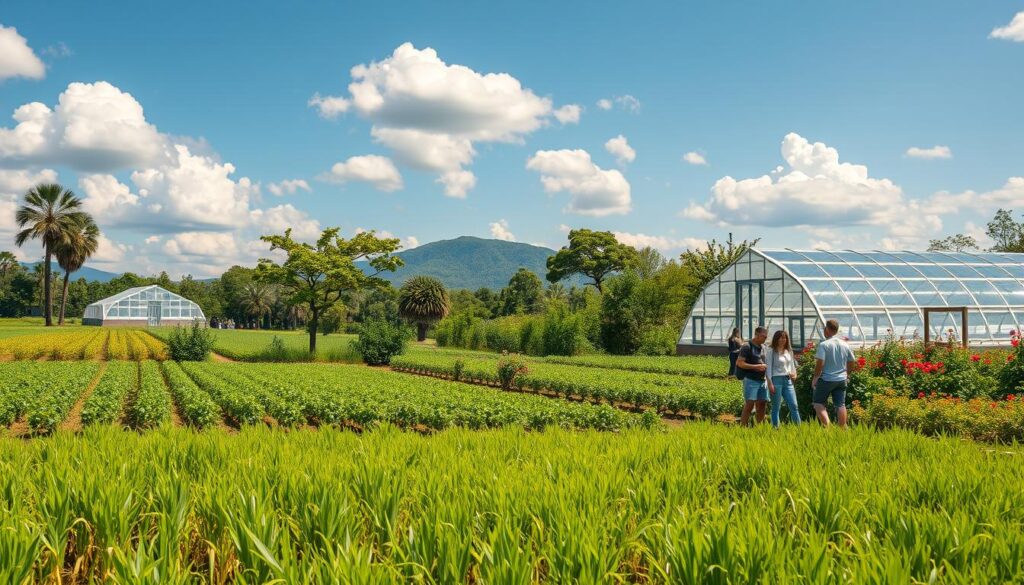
x=143, y=306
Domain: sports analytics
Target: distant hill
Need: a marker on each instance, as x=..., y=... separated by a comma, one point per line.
x=468, y=262
x=85, y=272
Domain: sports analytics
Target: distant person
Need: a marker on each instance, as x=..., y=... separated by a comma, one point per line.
x=755, y=390
x=835, y=362
x=781, y=375
x=735, y=343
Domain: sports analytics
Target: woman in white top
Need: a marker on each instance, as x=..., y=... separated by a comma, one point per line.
x=781, y=375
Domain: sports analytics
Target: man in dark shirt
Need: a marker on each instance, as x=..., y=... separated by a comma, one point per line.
x=755, y=388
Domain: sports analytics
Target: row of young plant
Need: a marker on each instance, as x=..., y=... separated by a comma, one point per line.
x=85, y=344
x=662, y=393
x=42, y=394
x=703, y=504
x=341, y=395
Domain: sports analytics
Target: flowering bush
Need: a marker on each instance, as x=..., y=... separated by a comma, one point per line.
x=1011, y=374
x=935, y=414
x=510, y=368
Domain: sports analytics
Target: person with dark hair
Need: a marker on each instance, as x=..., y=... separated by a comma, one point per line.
x=735, y=343
x=835, y=363
x=781, y=375
x=751, y=362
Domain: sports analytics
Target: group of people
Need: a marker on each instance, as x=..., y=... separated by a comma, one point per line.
x=769, y=372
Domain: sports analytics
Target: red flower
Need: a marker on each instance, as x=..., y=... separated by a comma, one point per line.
x=987, y=361
x=1011, y=397
x=975, y=358
x=1009, y=358
x=1014, y=342
x=862, y=362
x=920, y=394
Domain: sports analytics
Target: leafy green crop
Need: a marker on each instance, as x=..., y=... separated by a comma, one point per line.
x=106, y=403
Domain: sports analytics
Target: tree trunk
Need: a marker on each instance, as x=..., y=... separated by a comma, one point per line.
x=314, y=321
x=421, y=332
x=47, y=292
x=63, y=298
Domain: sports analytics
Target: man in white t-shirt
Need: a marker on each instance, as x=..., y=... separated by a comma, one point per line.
x=835, y=363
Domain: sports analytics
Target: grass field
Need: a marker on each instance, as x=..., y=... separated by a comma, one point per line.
x=702, y=503
x=254, y=345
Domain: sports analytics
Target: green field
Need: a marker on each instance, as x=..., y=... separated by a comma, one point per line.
x=254, y=345
x=703, y=503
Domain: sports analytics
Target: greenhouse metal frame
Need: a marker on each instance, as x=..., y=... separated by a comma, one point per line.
x=873, y=295
x=143, y=306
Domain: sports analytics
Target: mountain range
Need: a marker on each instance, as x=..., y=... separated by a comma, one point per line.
x=463, y=262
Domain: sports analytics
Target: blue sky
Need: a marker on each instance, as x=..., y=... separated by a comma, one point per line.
x=748, y=87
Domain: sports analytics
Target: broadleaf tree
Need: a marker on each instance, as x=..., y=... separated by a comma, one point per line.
x=593, y=254
x=316, y=276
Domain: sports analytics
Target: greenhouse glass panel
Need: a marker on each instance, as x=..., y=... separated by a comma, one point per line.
x=869, y=292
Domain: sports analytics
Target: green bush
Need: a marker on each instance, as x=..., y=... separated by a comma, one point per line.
x=190, y=344
x=380, y=340
x=659, y=340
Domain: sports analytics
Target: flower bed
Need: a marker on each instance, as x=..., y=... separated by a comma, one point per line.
x=934, y=414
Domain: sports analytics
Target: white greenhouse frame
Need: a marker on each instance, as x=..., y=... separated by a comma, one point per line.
x=143, y=306
x=872, y=294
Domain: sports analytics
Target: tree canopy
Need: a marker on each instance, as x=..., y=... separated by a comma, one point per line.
x=423, y=300
x=593, y=254
x=318, y=275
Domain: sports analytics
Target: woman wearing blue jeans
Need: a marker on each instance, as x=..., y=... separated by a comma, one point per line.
x=781, y=374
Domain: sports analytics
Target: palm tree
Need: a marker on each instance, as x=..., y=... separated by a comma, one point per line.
x=258, y=300
x=7, y=263
x=51, y=213
x=423, y=300
x=72, y=254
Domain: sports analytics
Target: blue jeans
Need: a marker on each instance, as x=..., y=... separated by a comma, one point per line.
x=784, y=390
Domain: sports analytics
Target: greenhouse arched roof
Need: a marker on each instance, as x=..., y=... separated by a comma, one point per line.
x=871, y=293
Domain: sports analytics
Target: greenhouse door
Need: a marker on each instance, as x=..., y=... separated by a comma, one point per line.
x=154, y=314
x=796, y=332
x=749, y=306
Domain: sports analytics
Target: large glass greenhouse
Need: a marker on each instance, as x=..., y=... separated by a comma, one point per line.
x=871, y=294
x=143, y=306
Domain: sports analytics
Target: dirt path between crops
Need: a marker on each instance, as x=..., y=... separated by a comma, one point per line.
x=73, y=421
x=216, y=357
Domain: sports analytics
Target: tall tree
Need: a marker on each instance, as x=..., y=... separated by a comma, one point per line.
x=423, y=300
x=592, y=254
x=50, y=213
x=258, y=299
x=707, y=263
x=317, y=275
x=524, y=294
x=81, y=243
x=954, y=243
x=1007, y=234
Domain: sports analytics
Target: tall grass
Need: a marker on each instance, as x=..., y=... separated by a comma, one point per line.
x=705, y=503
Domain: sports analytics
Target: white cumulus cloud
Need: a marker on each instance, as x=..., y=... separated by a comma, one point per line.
x=619, y=148
x=929, y=153
x=288, y=187
x=500, y=231
x=329, y=106
x=430, y=113
x=209, y=244
x=377, y=170
x=695, y=158
x=1011, y=32
x=568, y=114
x=604, y=104
x=626, y=102
x=94, y=127
x=276, y=220
x=16, y=58
x=594, y=191
x=660, y=243
x=816, y=189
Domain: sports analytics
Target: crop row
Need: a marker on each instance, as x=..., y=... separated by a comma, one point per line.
x=106, y=403
x=197, y=408
x=340, y=395
x=703, y=366
x=85, y=344
x=698, y=504
x=151, y=404
x=664, y=393
x=42, y=393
